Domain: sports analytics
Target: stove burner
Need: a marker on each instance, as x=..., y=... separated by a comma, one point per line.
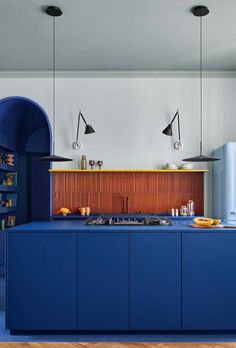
x=128, y=220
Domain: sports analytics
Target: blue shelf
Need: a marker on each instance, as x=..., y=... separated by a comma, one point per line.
x=8, y=188
x=5, y=210
x=7, y=168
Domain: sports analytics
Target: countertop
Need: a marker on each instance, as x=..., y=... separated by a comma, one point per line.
x=179, y=225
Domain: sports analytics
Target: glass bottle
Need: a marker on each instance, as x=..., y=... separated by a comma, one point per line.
x=83, y=164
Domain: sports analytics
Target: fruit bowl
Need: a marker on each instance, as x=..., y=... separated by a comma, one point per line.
x=203, y=221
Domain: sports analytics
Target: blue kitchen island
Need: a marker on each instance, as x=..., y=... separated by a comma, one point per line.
x=66, y=276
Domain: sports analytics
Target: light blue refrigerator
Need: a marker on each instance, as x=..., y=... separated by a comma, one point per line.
x=224, y=182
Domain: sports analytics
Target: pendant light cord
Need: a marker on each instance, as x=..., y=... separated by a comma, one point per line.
x=200, y=85
x=53, y=85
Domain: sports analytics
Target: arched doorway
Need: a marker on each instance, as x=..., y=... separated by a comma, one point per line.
x=25, y=130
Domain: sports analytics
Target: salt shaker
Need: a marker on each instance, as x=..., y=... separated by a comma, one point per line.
x=84, y=164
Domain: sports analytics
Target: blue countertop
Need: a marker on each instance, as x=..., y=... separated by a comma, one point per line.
x=179, y=225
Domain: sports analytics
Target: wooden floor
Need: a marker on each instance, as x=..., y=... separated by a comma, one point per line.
x=116, y=345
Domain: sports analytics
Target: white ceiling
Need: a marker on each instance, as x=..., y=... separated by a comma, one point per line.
x=117, y=35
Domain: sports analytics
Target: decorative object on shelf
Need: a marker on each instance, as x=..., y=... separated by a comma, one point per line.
x=200, y=11
x=10, y=159
x=11, y=221
x=2, y=157
x=82, y=210
x=168, y=131
x=3, y=224
x=64, y=211
x=83, y=163
x=91, y=163
x=170, y=166
x=100, y=163
x=54, y=12
x=88, y=130
x=11, y=179
x=187, y=166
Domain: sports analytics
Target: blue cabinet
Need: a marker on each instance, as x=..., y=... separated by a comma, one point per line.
x=209, y=282
x=41, y=281
x=103, y=281
x=155, y=281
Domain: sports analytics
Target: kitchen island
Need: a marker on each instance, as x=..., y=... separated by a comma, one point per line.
x=64, y=275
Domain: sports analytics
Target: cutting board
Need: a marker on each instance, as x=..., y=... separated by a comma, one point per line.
x=211, y=226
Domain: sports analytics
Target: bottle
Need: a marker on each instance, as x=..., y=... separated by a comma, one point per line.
x=191, y=207
x=83, y=165
x=176, y=212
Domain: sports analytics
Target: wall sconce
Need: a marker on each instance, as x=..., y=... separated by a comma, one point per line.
x=168, y=131
x=88, y=130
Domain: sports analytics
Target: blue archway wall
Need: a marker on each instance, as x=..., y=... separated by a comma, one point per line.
x=25, y=128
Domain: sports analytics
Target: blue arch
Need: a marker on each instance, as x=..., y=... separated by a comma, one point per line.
x=17, y=124
x=25, y=129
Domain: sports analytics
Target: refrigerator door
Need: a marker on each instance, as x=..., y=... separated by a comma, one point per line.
x=224, y=182
x=230, y=181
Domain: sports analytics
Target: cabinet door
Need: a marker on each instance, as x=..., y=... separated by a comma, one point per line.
x=155, y=280
x=41, y=281
x=103, y=279
x=209, y=282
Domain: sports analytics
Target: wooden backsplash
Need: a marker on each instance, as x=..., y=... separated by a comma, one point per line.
x=114, y=192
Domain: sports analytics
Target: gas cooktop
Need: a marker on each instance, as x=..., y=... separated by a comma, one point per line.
x=128, y=220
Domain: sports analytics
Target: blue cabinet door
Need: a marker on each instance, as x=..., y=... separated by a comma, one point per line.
x=155, y=281
x=209, y=282
x=41, y=281
x=103, y=281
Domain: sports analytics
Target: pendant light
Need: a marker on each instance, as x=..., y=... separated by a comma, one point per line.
x=200, y=11
x=54, y=12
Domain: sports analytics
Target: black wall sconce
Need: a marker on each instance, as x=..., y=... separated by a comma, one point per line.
x=88, y=130
x=168, y=131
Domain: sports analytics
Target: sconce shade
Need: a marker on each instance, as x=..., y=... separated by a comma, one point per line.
x=89, y=129
x=168, y=130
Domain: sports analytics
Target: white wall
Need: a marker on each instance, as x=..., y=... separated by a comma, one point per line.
x=129, y=115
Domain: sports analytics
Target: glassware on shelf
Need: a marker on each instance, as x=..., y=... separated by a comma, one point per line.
x=91, y=163
x=100, y=163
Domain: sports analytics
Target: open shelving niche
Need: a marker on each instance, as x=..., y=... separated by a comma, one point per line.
x=7, y=192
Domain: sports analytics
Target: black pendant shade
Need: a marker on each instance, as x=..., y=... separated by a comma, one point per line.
x=54, y=158
x=200, y=11
x=201, y=158
x=53, y=11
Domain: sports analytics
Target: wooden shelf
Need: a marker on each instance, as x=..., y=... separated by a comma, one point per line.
x=129, y=170
x=8, y=188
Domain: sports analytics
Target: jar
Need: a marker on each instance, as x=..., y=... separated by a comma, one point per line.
x=83, y=165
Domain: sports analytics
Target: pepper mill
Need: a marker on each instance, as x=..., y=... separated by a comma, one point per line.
x=83, y=162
